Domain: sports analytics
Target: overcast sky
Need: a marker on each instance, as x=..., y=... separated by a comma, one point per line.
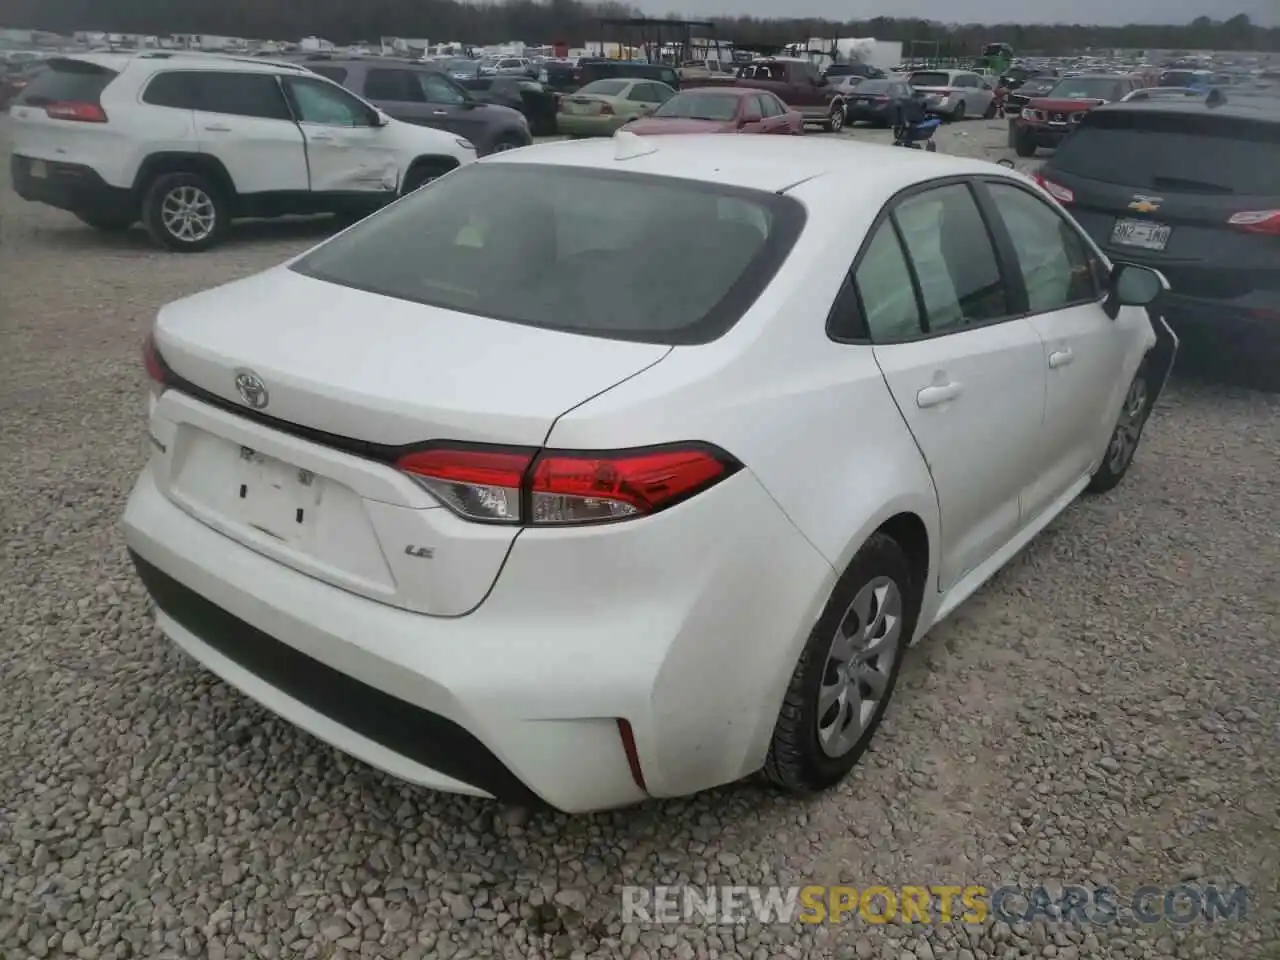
x=1263, y=12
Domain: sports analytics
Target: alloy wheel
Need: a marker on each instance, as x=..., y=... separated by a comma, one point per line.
x=188, y=214
x=1124, y=442
x=859, y=665
x=837, y=119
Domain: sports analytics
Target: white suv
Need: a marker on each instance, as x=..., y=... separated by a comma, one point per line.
x=185, y=143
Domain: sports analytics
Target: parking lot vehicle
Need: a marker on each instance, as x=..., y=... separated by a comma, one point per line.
x=1191, y=187
x=798, y=84
x=855, y=69
x=1163, y=93
x=16, y=78
x=605, y=575
x=1019, y=96
x=883, y=103
x=721, y=110
x=417, y=93
x=955, y=94
x=533, y=99
x=693, y=71
x=187, y=143
x=590, y=70
x=601, y=107
x=1200, y=80
x=509, y=67
x=1046, y=121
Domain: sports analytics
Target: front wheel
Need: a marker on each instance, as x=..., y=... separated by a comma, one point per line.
x=842, y=683
x=1126, y=435
x=835, y=121
x=959, y=113
x=185, y=212
x=422, y=174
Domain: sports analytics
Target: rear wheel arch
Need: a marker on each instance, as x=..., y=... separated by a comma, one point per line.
x=909, y=532
x=424, y=168
x=159, y=164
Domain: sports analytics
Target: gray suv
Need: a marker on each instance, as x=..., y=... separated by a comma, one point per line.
x=415, y=93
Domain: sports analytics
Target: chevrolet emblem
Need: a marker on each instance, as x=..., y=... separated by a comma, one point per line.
x=1145, y=204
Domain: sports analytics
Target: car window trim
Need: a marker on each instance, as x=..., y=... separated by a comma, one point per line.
x=886, y=212
x=983, y=192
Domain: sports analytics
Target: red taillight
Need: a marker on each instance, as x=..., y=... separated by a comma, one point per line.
x=1063, y=195
x=606, y=109
x=557, y=487
x=156, y=369
x=478, y=484
x=76, y=110
x=1257, y=221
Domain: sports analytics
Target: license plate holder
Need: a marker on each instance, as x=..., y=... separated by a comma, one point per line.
x=275, y=498
x=1142, y=234
x=38, y=169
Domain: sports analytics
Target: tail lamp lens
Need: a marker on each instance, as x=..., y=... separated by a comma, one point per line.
x=1257, y=221
x=554, y=487
x=76, y=110
x=1063, y=195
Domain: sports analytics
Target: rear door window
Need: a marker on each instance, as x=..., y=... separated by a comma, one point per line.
x=395, y=85
x=1181, y=153
x=239, y=94
x=75, y=81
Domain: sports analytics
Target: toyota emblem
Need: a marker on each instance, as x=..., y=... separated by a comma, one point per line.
x=251, y=389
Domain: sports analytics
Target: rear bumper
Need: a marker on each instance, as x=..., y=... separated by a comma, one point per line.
x=687, y=626
x=69, y=186
x=573, y=125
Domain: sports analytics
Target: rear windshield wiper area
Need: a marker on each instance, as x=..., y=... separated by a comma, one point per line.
x=1185, y=185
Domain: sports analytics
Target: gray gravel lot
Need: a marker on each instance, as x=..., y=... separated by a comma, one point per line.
x=1106, y=711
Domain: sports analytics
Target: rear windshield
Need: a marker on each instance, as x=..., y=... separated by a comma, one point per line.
x=599, y=252
x=925, y=79
x=605, y=88
x=874, y=86
x=1086, y=88
x=67, y=80
x=1176, y=152
x=700, y=106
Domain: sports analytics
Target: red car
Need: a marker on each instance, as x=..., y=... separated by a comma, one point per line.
x=721, y=110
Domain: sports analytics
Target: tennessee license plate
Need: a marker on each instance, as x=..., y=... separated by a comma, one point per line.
x=38, y=169
x=1144, y=234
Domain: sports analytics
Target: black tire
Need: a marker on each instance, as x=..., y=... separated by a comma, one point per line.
x=836, y=118
x=420, y=174
x=508, y=141
x=959, y=113
x=797, y=761
x=1127, y=433
x=108, y=222
x=1023, y=145
x=165, y=187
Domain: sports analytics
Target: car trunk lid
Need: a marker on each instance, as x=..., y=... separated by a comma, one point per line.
x=294, y=398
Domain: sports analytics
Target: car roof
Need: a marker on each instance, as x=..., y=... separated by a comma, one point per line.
x=1266, y=109
x=775, y=164
x=159, y=59
x=724, y=91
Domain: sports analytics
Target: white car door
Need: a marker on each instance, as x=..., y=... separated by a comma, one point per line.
x=967, y=375
x=347, y=150
x=243, y=120
x=1084, y=349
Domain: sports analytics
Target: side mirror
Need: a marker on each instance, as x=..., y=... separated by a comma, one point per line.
x=1133, y=286
x=380, y=119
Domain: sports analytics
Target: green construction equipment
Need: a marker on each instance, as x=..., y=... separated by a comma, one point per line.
x=997, y=58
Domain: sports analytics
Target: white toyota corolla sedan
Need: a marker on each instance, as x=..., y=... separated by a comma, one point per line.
x=597, y=471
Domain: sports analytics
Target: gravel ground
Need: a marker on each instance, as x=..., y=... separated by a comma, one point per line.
x=1105, y=711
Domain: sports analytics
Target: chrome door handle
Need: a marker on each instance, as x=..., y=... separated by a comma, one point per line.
x=439, y=113
x=1060, y=358
x=322, y=138
x=939, y=393
x=217, y=128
